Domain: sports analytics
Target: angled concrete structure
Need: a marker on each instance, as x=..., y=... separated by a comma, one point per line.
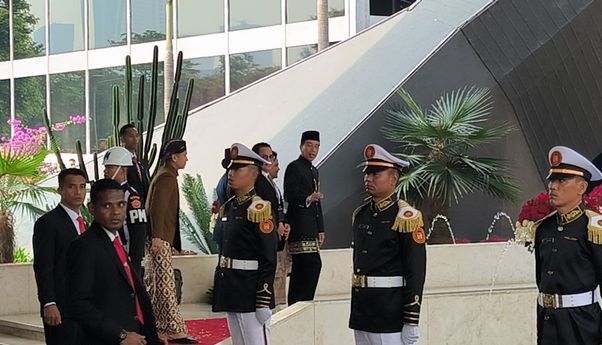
x=541, y=58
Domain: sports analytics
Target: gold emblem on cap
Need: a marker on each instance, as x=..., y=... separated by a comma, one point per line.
x=233, y=152
x=369, y=152
x=555, y=158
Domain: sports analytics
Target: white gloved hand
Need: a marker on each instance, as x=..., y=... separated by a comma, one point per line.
x=263, y=315
x=409, y=334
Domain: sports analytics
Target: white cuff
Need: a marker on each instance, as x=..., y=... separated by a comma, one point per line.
x=49, y=304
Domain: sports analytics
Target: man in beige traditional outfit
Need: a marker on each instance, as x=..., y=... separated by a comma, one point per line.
x=163, y=206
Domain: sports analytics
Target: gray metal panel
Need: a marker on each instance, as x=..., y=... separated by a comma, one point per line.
x=555, y=89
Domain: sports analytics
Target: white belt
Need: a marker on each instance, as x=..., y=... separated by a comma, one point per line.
x=236, y=264
x=377, y=282
x=555, y=301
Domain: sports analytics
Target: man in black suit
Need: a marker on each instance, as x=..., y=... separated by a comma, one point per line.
x=52, y=234
x=304, y=214
x=105, y=295
x=137, y=176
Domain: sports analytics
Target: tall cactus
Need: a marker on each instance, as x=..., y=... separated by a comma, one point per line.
x=128, y=89
x=53, y=144
x=175, y=124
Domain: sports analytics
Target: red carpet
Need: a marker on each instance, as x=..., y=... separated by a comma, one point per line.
x=208, y=331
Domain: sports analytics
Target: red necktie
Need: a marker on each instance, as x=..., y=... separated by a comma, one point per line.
x=137, y=165
x=121, y=253
x=82, y=225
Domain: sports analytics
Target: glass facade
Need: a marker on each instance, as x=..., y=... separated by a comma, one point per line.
x=245, y=14
x=294, y=54
x=30, y=100
x=137, y=72
x=107, y=23
x=4, y=31
x=303, y=10
x=29, y=23
x=246, y=68
x=209, y=79
x=66, y=28
x=4, y=107
x=101, y=108
x=67, y=98
x=50, y=27
x=148, y=20
x=200, y=17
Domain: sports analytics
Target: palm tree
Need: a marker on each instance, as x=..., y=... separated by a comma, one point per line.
x=439, y=144
x=19, y=194
x=198, y=231
x=322, y=14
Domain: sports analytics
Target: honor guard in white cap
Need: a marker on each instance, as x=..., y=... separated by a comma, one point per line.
x=244, y=277
x=389, y=257
x=133, y=234
x=568, y=255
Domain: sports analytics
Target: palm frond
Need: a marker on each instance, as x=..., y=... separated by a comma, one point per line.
x=191, y=233
x=438, y=145
x=194, y=193
x=16, y=164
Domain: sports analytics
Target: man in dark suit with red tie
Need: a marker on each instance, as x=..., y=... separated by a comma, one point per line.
x=137, y=176
x=105, y=295
x=52, y=234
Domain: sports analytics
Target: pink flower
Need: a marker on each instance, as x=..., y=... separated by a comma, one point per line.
x=58, y=126
x=77, y=119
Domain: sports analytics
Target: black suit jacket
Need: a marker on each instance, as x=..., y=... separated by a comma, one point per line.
x=52, y=234
x=100, y=297
x=140, y=185
x=301, y=179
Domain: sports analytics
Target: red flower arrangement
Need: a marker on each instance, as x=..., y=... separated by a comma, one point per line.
x=536, y=208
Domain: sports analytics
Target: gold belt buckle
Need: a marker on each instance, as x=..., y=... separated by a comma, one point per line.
x=358, y=280
x=225, y=262
x=549, y=301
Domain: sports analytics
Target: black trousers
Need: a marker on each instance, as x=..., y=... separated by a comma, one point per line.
x=569, y=326
x=304, y=277
x=64, y=334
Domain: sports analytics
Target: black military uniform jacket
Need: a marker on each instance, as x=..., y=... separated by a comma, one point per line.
x=388, y=241
x=568, y=260
x=138, y=179
x=136, y=223
x=300, y=180
x=248, y=234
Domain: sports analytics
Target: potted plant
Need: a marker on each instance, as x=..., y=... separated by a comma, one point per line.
x=440, y=144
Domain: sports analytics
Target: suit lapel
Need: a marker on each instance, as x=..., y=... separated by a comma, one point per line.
x=70, y=226
x=110, y=248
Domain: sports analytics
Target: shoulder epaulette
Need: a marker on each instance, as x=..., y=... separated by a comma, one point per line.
x=532, y=226
x=259, y=211
x=594, y=226
x=408, y=218
x=357, y=210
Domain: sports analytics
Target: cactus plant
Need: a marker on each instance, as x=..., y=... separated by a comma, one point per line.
x=147, y=151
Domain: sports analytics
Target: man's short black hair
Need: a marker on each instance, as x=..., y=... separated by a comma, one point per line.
x=124, y=128
x=101, y=186
x=70, y=171
x=259, y=146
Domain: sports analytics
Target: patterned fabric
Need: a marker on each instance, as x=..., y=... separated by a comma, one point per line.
x=283, y=268
x=161, y=287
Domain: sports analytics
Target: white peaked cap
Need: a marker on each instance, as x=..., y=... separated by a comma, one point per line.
x=565, y=161
x=377, y=158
